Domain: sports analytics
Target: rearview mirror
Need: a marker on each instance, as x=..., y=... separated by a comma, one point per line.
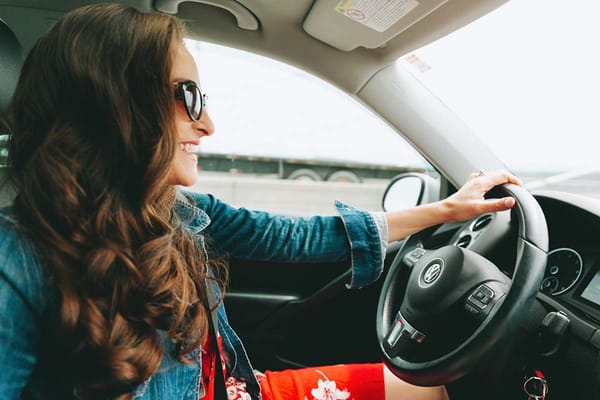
x=409, y=190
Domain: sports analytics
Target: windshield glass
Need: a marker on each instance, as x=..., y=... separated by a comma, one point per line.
x=526, y=79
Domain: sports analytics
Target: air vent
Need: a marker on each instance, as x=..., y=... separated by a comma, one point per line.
x=482, y=222
x=464, y=241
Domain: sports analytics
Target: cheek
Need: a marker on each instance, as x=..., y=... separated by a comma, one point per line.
x=181, y=129
x=178, y=170
x=180, y=112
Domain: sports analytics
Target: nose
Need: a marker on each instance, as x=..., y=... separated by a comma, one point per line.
x=204, y=124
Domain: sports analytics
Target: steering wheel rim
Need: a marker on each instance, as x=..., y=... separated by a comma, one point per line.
x=503, y=318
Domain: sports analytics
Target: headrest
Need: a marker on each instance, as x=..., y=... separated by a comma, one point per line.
x=11, y=59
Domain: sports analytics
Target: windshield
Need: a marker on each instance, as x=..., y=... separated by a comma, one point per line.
x=526, y=79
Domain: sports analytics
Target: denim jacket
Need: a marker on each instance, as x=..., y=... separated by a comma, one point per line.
x=28, y=302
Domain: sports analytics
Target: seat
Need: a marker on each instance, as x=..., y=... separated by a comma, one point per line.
x=11, y=60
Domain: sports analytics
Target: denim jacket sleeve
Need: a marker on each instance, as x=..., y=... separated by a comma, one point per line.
x=356, y=236
x=21, y=307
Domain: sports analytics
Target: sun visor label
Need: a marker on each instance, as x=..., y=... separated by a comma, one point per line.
x=376, y=14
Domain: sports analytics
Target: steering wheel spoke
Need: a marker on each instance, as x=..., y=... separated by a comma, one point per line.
x=403, y=337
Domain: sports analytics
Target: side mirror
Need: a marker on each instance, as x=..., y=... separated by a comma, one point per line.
x=410, y=190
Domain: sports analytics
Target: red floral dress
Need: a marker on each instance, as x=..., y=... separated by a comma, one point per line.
x=337, y=382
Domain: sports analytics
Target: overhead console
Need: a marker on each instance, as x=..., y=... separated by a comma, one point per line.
x=245, y=19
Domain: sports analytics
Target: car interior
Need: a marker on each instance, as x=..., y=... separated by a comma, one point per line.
x=542, y=259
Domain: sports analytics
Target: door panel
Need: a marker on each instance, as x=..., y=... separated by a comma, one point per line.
x=294, y=315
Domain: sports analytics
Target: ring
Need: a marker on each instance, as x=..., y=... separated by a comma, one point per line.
x=480, y=173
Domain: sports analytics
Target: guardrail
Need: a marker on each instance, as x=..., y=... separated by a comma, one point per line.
x=284, y=196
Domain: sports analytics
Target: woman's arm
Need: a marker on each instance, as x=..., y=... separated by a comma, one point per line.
x=257, y=235
x=356, y=236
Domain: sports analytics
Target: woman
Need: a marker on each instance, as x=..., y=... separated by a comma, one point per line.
x=104, y=276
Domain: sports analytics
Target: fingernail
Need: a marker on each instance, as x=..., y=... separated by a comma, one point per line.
x=509, y=202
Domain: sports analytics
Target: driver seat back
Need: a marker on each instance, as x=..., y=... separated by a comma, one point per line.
x=11, y=60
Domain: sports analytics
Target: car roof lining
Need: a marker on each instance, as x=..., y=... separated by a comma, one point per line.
x=280, y=25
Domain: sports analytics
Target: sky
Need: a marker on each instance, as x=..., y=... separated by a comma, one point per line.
x=525, y=78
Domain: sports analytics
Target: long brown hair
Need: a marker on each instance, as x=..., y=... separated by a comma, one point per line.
x=91, y=142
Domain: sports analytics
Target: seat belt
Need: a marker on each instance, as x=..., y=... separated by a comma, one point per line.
x=213, y=323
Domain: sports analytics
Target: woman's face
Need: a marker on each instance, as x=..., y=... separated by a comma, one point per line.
x=184, y=168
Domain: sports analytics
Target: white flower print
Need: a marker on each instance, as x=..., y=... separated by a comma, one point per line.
x=328, y=390
x=232, y=393
x=236, y=389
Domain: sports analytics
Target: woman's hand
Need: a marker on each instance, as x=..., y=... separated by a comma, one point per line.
x=466, y=203
x=469, y=201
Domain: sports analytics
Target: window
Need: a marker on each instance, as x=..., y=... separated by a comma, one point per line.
x=288, y=142
x=529, y=91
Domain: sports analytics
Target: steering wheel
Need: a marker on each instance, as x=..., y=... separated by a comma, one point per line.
x=437, y=319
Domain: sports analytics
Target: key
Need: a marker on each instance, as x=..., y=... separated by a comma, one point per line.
x=536, y=388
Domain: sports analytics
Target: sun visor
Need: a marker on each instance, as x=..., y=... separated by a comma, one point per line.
x=348, y=24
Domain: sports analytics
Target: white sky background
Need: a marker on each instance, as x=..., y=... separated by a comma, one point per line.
x=526, y=78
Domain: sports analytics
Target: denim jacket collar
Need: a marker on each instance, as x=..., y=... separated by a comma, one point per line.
x=194, y=218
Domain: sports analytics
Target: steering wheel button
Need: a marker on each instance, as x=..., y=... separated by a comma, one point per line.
x=486, y=290
x=482, y=296
x=415, y=255
x=471, y=309
x=474, y=302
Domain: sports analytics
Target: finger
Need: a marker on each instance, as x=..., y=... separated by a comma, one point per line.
x=499, y=177
x=475, y=175
x=515, y=180
x=509, y=178
x=502, y=204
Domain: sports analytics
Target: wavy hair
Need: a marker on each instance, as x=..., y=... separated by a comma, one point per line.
x=92, y=138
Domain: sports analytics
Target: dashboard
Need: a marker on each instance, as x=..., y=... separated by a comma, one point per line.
x=572, y=277
x=569, y=297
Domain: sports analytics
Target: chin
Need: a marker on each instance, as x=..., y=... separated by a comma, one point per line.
x=188, y=178
x=188, y=181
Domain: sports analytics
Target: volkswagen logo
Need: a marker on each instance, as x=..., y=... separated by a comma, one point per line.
x=432, y=272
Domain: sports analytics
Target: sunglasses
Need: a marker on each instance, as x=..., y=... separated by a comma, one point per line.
x=193, y=99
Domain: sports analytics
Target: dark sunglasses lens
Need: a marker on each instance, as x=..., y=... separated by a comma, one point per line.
x=193, y=101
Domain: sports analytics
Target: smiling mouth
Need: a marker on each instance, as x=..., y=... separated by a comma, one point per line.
x=189, y=148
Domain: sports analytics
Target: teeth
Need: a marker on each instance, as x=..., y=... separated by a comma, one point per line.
x=189, y=147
